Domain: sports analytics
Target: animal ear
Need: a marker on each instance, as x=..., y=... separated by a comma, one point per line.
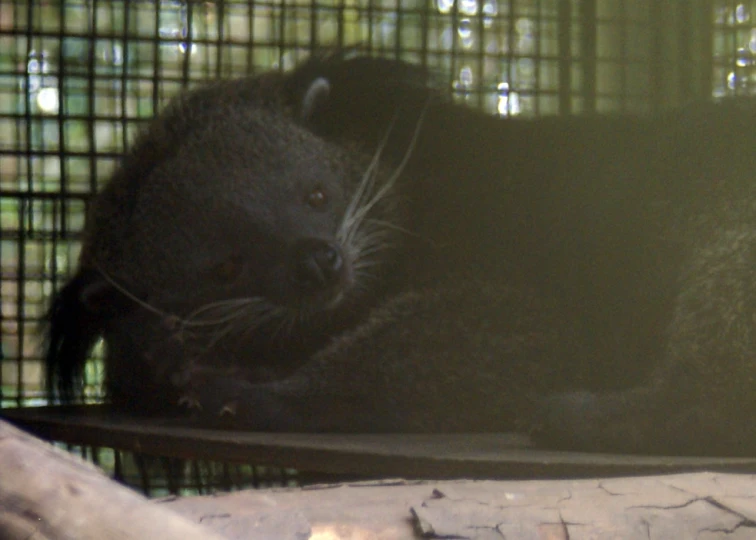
x=314, y=98
x=98, y=296
x=75, y=321
x=348, y=97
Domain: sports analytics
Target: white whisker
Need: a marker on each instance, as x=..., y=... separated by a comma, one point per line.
x=361, y=234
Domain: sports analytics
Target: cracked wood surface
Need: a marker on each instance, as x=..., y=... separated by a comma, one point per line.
x=700, y=505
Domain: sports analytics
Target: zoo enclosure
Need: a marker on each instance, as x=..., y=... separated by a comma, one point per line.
x=77, y=78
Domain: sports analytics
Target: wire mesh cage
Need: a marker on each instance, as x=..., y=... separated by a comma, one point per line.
x=78, y=78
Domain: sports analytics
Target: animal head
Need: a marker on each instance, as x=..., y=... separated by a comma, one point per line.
x=230, y=214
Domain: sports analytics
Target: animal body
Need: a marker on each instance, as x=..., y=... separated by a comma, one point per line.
x=342, y=248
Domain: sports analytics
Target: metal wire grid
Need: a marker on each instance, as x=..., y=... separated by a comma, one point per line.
x=734, y=49
x=160, y=476
x=77, y=78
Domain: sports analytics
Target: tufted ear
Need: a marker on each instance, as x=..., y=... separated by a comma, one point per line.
x=314, y=99
x=75, y=321
x=356, y=98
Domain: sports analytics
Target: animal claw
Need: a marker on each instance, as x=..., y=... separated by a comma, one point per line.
x=189, y=402
x=229, y=409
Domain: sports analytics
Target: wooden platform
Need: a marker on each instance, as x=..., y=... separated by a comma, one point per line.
x=362, y=455
x=48, y=493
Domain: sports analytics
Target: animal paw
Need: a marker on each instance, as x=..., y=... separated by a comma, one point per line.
x=189, y=402
x=229, y=409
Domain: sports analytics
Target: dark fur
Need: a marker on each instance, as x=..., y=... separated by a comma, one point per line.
x=585, y=279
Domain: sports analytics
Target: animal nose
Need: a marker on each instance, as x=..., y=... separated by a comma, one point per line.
x=318, y=264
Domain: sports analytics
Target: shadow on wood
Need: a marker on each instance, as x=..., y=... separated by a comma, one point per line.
x=437, y=456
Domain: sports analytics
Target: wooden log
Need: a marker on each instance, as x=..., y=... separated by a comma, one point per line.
x=47, y=493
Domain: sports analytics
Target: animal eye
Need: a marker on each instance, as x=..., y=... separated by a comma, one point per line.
x=317, y=198
x=228, y=270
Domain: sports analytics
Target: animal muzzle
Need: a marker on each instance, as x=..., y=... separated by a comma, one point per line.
x=319, y=266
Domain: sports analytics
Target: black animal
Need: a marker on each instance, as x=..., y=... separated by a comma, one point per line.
x=343, y=248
